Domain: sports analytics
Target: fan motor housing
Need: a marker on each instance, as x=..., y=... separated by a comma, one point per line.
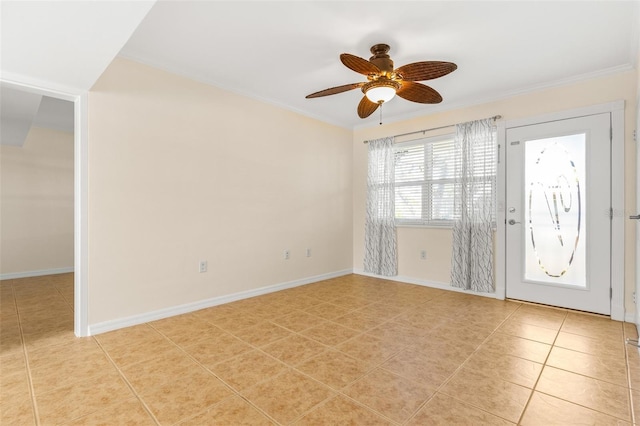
x=381, y=58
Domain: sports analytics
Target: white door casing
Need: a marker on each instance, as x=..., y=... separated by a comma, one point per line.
x=637, y=212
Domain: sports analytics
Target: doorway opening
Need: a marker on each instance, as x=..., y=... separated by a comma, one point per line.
x=56, y=102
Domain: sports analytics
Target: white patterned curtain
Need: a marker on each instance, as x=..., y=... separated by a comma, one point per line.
x=380, y=247
x=474, y=206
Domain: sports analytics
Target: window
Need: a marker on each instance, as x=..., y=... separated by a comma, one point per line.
x=424, y=180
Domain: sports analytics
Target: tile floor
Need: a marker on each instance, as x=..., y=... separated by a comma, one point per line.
x=351, y=350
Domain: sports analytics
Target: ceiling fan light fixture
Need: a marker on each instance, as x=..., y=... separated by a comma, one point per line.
x=385, y=81
x=380, y=91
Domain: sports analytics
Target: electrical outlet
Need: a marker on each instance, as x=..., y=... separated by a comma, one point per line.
x=286, y=255
x=202, y=267
x=423, y=254
x=634, y=297
x=308, y=252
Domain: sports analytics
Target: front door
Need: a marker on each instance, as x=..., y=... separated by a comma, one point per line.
x=558, y=230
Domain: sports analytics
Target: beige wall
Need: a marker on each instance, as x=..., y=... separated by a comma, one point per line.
x=36, y=203
x=437, y=242
x=180, y=172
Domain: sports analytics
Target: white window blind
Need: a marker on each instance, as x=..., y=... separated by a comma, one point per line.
x=424, y=186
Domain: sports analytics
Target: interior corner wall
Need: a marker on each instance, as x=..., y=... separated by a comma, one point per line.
x=181, y=171
x=437, y=242
x=36, y=204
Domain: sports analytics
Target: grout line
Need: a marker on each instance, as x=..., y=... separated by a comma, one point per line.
x=544, y=364
x=34, y=404
x=291, y=367
x=231, y=388
x=327, y=348
x=337, y=392
x=627, y=348
x=355, y=401
x=461, y=366
x=288, y=366
x=613, y=416
x=124, y=378
x=64, y=298
x=633, y=414
x=553, y=345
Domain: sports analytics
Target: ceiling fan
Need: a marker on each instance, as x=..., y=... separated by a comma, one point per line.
x=384, y=82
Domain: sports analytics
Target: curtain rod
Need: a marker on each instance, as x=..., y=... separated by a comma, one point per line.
x=495, y=117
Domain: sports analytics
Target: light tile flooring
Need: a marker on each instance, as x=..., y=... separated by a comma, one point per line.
x=351, y=350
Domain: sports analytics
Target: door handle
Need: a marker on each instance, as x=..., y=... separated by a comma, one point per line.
x=512, y=222
x=635, y=216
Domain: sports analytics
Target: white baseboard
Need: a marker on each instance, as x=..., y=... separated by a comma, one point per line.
x=630, y=317
x=39, y=273
x=116, y=324
x=427, y=283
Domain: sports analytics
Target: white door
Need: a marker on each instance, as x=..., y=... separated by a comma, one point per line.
x=558, y=230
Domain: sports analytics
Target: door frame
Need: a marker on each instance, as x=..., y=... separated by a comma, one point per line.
x=616, y=109
x=80, y=193
x=635, y=138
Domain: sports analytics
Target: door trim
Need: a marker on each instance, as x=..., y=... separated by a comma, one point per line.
x=80, y=192
x=616, y=109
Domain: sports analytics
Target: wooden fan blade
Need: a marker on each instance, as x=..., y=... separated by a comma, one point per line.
x=427, y=70
x=417, y=92
x=335, y=90
x=358, y=64
x=366, y=107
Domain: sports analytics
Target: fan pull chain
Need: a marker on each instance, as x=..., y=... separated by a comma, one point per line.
x=381, y=112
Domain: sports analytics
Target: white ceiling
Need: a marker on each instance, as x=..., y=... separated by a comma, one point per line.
x=58, y=46
x=281, y=51
x=64, y=45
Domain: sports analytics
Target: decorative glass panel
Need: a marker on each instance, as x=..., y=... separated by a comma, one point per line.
x=554, y=216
